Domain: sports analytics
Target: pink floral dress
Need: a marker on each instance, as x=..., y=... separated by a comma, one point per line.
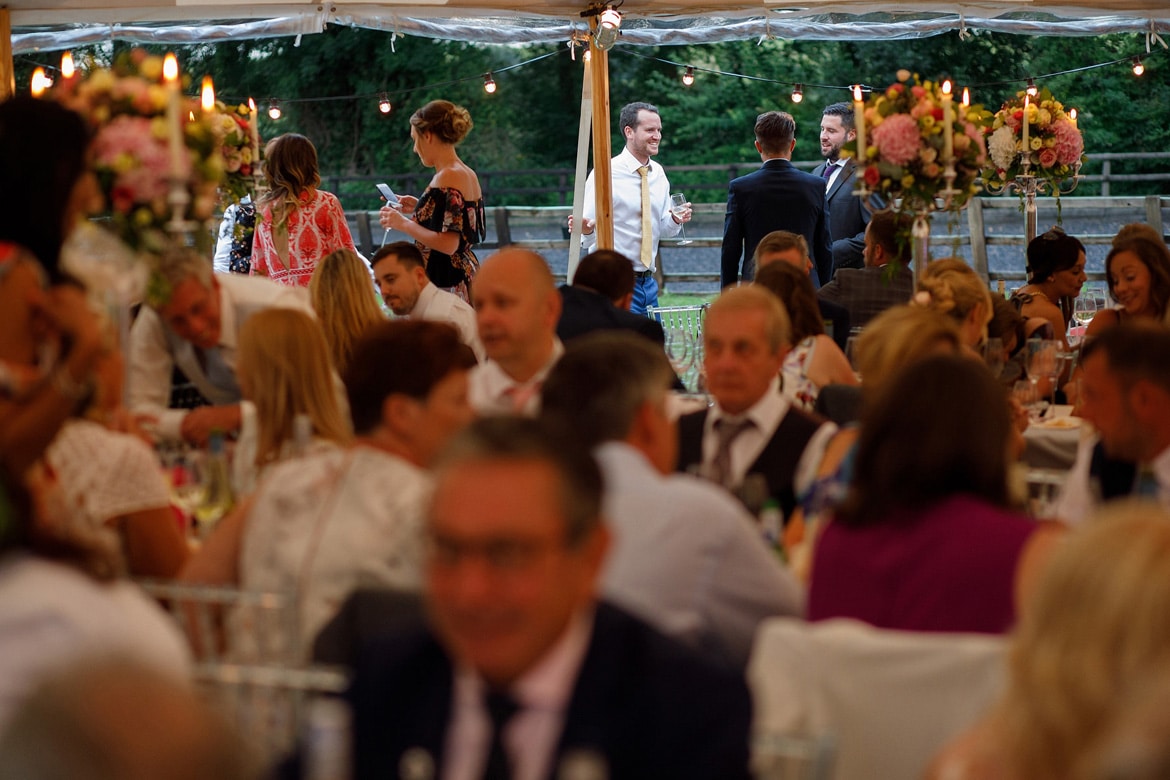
x=310, y=232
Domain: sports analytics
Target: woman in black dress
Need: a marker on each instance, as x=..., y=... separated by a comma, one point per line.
x=447, y=221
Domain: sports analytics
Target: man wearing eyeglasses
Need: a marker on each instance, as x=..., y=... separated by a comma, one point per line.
x=520, y=671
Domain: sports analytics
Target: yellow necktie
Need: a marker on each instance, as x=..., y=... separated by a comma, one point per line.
x=647, y=256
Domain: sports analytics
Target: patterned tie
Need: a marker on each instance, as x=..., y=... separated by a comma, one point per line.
x=647, y=256
x=828, y=172
x=217, y=371
x=727, y=430
x=500, y=708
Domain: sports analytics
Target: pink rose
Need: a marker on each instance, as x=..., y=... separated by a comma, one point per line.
x=872, y=176
x=1047, y=158
x=897, y=139
x=918, y=91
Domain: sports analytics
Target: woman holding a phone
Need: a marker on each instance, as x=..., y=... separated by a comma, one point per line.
x=447, y=220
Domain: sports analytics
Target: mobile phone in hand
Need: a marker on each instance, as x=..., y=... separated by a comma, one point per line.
x=388, y=194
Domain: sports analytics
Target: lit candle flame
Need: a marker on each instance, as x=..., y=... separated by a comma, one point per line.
x=67, y=69
x=857, y=92
x=40, y=82
x=208, y=94
x=251, y=105
x=946, y=87
x=966, y=97
x=171, y=68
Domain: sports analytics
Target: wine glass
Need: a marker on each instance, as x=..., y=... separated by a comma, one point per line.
x=1084, y=309
x=993, y=356
x=678, y=207
x=1045, y=360
x=680, y=349
x=183, y=467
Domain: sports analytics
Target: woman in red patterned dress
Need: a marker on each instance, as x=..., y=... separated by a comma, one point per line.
x=296, y=224
x=448, y=218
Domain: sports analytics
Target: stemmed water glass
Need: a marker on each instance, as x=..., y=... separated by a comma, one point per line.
x=993, y=356
x=680, y=349
x=1045, y=360
x=678, y=207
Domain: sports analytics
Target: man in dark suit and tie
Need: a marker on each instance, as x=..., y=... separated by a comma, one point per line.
x=519, y=671
x=776, y=197
x=848, y=214
x=599, y=299
x=886, y=279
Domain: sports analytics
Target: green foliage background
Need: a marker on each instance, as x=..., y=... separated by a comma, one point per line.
x=531, y=122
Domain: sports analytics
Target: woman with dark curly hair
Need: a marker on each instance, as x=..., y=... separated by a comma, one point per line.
x=448, y=218
x=1056, y=271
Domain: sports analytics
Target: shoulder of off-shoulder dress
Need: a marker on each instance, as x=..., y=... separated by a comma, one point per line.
x=451, y=193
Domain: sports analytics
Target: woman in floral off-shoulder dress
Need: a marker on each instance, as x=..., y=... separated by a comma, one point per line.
x=296, y=224
x=448, y=218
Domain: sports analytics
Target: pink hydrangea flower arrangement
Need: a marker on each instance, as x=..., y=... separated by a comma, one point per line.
x=905, y=144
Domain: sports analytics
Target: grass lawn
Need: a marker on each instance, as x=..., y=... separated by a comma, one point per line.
x=683, y=299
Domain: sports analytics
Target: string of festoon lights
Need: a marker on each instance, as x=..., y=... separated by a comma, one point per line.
x=606, y=35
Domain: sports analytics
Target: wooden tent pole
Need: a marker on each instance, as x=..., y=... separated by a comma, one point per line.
x=603, y=183
x=7, y=71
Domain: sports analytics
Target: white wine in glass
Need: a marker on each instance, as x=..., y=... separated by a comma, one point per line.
x=678, y=207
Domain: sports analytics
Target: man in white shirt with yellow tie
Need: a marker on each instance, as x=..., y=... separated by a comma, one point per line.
x=641, y=201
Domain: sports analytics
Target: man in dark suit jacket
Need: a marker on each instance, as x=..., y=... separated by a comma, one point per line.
x=751, y=428
x=885, y=281
x=518, y=669
x=776, y=197
x=848, y=214
x=599, y=299
x=780, y=246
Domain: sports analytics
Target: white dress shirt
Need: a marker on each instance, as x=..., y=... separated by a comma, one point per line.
x=530, y=737
x=627, y=206
x=491, y=391
x=747, y=446
x=688, y=558
x=155, y=350
x=1079, y=497
x=435, y=305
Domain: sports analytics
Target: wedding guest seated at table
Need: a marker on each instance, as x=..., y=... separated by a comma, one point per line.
x=322, y=524
x=285, y=372
x=296, y=223
x=813, y=360
x=62, y=599
x=886, y=280
x=516, y=313
x=926, y=539
x=1096, y=627
x=686, y=557
x=951, y=287
x=520, y=670
x=345, y=300
x=1125, y=394
x=110, y=479
x=751, y=428
x=599, y=299
x=781, y=246
x=192, y=320
x=1056, y=271
x=43, y=195
x=114, y=719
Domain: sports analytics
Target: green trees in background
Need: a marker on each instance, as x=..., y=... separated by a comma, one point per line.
x=531, y=122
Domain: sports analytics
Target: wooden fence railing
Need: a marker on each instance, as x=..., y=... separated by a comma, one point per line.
x=988, y=225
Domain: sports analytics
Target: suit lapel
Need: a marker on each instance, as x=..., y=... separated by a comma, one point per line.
x=846, y=175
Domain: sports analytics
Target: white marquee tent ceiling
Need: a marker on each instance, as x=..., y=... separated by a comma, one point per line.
x=58, y=24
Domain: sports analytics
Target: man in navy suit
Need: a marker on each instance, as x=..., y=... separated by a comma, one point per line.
x=519, y=670
x=848, y=214
x=776, y=197
x=599, y=299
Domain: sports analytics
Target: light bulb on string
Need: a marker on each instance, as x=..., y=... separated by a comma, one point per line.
x=207, y=96
x=1032, y=90
x=274, y=110
x=609, y=23
x=1138, y=67
x=67, y=68
x=489, y=84
x=798, y=93
x=688, y=77
x=384, y=104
